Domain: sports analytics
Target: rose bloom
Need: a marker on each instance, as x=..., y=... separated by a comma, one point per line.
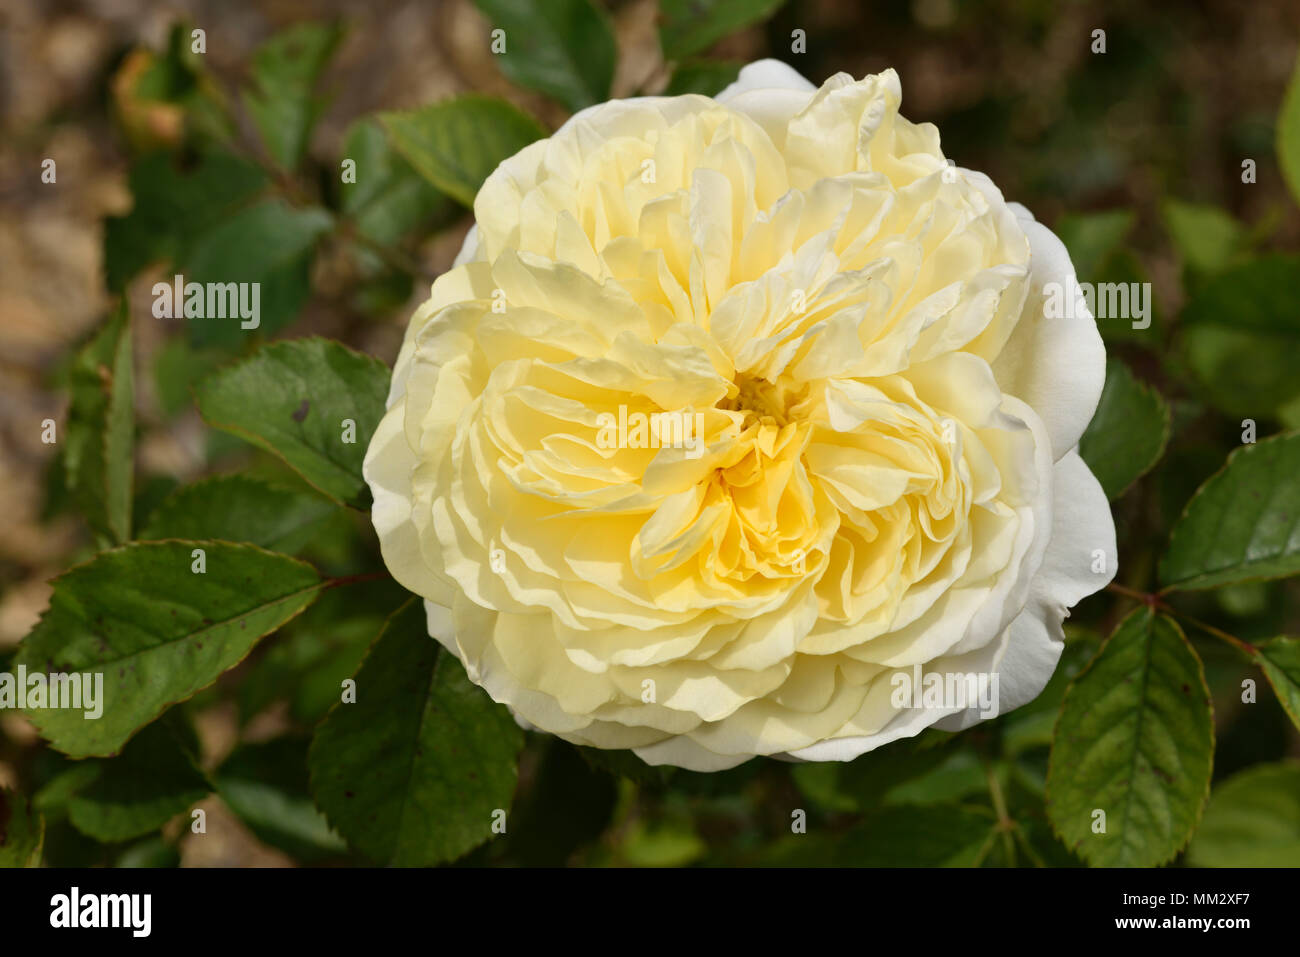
x=731, y=412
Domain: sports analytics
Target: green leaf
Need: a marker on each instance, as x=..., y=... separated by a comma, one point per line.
x=1098, y=252
x=269, y=243
x=22, y=831
x=1127, y=434
x=413, y=771
x=1288, y=134
x=151, y=852
x=792, y=850
x=1253, y=820
x=958, y=776
x=671, y=843
x=389, y=200
x=149, y=783
x=157, y=631
x=266, y=785
x=294, y=400
x=323, y=647
x=1243, y=523
x=564, y=48
x=455, y=144
x=1289, y=413
x=173, y=203
x=383, y=289
x=387, y=204
x=237, y=508
x=902, y=836
x=1034, y=834
x=1207, y=237
x=566, y=807
x=99, y=444
x=867, y=780
x=1093, y=239
x=1135, y=740
x=688, y=26
x=177, y=365
x=1242, y=331
x=280, y=95
x=1280, y=661
x=705, y=77
x=55, y=795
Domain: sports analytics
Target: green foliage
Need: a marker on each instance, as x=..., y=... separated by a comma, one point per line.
x=687, y=27
x=150, y=852
x=239, y=508
x=98, y=458
x=176, y=367
x=135, y=793
x=169, y=96
x=569, y=805
x=1288, y=134
x=1134, y=742
x=1093, y=239
x=564, y=48
x=1253, y=820
x=266, y=785
x=1097, y=247
x=280, y=93
x=671, y=844
x=1243, y=524
x=295, y=400
x=940, y=836
x=269, y=243
x=1127, y=434
x=22, y=831
x=389, y=200
x=1242, y=330
x=884, y=775
x=1207, y=238
x=705, y=77
x=415, y=770
x=156, y=629
x=455, y=144
x=175, y=203
x=1280, y=661
x=306, y=665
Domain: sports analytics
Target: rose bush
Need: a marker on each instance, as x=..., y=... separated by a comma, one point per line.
x=735, y=419
x=885, y=476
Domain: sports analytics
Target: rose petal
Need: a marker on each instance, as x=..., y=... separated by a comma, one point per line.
x=1058, y=366
x=766, y=74
x=1083, y=537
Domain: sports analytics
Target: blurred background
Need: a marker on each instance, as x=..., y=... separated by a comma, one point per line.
x=1134, y=155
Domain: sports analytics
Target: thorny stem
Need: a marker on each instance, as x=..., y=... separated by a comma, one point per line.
x=1145, y=597
x=1028, y=848
x=1155, y=601
x=391, y=256
x=1005, y=825
x=354, y=579
x=1244, y=647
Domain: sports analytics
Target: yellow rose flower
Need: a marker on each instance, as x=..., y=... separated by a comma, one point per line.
x=738, y=429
